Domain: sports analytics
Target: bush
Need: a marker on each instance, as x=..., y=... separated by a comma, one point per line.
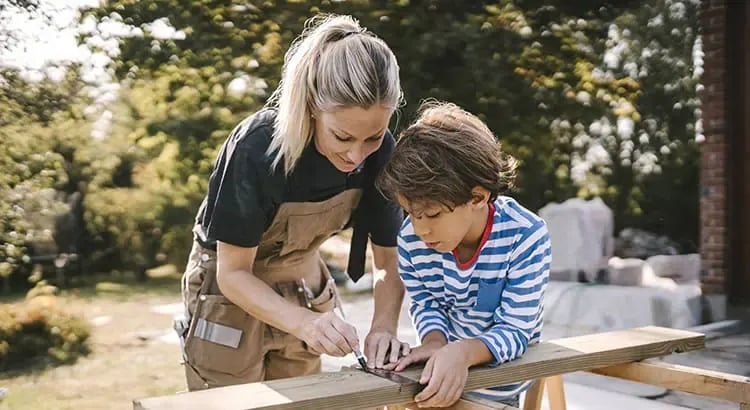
x=126, y=228
x=38, y=329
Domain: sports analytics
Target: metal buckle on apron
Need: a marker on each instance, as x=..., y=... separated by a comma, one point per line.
x=181, y=324
x=217, y=333
x=306, y=292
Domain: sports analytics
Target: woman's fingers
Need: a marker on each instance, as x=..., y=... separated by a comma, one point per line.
x=344, y=334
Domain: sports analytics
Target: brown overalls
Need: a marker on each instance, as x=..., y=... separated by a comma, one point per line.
x=224, y=345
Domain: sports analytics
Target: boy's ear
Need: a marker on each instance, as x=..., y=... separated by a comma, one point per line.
x=479, y=196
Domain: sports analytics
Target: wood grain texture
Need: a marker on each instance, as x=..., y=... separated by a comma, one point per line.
x=725, y=386
x=465, y=403
x=354, y=389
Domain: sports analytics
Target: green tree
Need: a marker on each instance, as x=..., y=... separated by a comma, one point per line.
x=42, y=126
x=541, y=73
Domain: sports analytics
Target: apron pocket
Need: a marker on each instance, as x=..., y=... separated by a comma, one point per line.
x=303, y=231
x=223, y=338
x=326, y=299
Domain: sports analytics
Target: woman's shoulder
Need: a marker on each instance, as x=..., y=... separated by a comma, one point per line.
x=251, y=138
x=255, y=130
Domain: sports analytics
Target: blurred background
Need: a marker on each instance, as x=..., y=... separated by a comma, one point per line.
x=626, y=117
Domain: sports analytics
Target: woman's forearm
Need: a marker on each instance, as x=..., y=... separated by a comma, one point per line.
x=258, y=299
x=388, y=289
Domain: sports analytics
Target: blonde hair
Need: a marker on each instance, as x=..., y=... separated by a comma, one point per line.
x=334, y=63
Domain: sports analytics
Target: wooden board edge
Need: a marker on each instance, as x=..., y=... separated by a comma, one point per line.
x=709, y=383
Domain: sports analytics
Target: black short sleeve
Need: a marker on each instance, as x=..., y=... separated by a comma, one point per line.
x=243, y=193
x=383, y=216
x=238, y=217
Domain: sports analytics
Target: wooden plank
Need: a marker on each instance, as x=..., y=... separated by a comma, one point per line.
x=358, y=390
x=465, y=403
x=725, y=386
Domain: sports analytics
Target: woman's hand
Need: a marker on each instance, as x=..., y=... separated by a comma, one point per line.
x=383, y=349
x=327, y=333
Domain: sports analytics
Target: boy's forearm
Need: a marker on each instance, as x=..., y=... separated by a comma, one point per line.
x=435, y=336
x=475, y=352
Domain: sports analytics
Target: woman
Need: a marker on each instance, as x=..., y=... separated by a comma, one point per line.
x=259, y=299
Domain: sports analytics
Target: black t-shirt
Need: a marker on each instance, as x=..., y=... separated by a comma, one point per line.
x=249, y=192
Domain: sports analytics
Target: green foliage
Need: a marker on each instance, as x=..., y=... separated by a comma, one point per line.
x=42, y=126
x=553, y=79
x=38, y=329
x=594, y=98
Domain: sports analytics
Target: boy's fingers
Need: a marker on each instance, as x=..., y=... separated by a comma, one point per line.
x=453, y=392
x=425, y=395
x=402, y=364
x=458, y=390
x=405, y=349
x=390, y=366
x=439, y=399
x=427, y=372
x=448, y=393
x=433, y=387
x=414, y=356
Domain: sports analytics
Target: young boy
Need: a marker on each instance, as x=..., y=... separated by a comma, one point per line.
x=475, y=263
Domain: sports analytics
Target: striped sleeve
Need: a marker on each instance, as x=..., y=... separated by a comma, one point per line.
x=520, y=310
x=424, y=309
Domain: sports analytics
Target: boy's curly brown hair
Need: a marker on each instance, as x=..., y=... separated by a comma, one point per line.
x=443, y=155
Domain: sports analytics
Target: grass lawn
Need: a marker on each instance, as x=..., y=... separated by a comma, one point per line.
x=127, y=359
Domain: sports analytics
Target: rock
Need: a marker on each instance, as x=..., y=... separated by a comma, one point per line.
x=636, y=272
x=626, y=272
x=582, y=239
x=680, y=268
x=637, y=243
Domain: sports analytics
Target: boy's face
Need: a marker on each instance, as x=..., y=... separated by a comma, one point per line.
x=437, y=226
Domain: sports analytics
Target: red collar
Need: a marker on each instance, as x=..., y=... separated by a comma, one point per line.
x=482, y=241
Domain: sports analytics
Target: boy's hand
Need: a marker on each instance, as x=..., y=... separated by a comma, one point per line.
x=445, y=375
x=419, y=354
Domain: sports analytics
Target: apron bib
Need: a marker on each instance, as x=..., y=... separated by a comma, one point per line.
x=224, y=345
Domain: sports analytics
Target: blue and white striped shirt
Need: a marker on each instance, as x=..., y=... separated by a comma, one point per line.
x=496, y=299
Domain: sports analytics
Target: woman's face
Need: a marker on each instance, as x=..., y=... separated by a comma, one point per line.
x=346, y=136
